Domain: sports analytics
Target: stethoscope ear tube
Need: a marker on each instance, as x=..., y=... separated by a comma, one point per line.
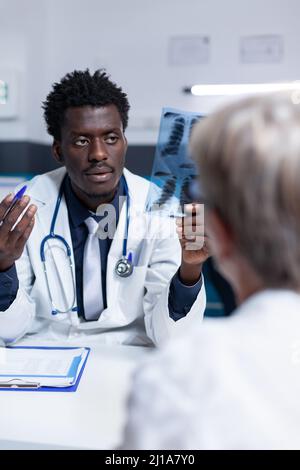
x=52, y=236
x=72, y=307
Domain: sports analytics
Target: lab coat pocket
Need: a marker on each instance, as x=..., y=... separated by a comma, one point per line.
x=131, y=293
x=139, y=254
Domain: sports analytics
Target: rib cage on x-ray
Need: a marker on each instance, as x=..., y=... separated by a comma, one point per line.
x=173, y=170
x=173, y=145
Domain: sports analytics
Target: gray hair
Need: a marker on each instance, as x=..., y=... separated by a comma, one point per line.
x=248, y=155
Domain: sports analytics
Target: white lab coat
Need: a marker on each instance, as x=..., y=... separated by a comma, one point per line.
x=137, y=311
x=232, y=384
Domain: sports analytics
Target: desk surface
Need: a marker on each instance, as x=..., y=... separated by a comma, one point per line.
x=91, y=418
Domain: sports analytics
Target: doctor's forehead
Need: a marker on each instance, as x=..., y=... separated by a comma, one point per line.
x=87, y=117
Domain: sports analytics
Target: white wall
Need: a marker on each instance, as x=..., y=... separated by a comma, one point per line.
x=13, y=55
x=45, y=39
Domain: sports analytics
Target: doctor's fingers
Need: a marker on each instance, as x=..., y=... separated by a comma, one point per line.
x=193, y=210
x=13, y=215
x=191, y=231
x=21, y=241
x=20, y=233
x=198, y=243
x=195, y=219
x=5, y=204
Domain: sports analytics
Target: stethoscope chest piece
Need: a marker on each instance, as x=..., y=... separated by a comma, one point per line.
x=124, y=267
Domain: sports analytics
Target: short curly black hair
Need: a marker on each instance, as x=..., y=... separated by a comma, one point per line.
x=81, y=88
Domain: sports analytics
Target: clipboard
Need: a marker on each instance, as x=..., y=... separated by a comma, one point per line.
x=68, y=389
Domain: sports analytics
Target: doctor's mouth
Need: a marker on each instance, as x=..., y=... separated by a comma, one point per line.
x=99, y=174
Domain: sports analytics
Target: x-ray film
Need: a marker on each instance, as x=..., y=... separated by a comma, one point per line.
x=174, y=172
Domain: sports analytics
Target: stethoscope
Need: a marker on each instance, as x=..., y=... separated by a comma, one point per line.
x=123, y=268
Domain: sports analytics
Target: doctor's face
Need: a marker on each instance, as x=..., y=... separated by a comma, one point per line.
x=92, y=148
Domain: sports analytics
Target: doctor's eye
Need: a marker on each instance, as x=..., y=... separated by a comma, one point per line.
x=81, y=142
x=111, y=139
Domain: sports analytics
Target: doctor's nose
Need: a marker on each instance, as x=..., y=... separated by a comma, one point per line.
x=98, y=151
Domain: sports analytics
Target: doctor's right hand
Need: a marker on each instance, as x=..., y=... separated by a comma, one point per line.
x=13, y=237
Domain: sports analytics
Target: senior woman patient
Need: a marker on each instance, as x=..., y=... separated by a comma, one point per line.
x=234, y=383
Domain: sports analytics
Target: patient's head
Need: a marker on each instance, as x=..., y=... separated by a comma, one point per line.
x=249, y=163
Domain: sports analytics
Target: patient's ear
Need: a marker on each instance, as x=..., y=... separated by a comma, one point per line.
x=220, y=236
x=56, y=151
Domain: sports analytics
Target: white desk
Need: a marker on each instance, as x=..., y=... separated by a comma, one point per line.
x=91, y=418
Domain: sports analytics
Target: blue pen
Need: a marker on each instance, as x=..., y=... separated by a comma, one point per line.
x=19, y=194
x=16, y=198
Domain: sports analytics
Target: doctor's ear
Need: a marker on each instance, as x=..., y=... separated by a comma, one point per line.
x=56, y=151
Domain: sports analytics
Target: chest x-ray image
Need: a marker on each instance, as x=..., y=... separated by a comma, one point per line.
x=174, y=172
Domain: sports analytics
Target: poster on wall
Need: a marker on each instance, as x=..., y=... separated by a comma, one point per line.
x=8, y=94
x=262, y=49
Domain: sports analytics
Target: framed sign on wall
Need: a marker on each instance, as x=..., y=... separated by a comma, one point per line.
x=8, y=94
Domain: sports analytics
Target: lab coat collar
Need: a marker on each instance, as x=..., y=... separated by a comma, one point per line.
x=136, y=190
x=45, y=190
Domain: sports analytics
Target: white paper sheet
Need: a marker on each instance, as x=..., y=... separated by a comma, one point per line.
x=46, y=367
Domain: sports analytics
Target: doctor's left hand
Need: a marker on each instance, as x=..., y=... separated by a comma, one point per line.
x=194, y=243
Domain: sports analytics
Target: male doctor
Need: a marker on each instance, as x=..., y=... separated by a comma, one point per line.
x=60, y=279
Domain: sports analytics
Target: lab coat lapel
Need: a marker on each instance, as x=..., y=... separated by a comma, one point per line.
x=115, y=253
